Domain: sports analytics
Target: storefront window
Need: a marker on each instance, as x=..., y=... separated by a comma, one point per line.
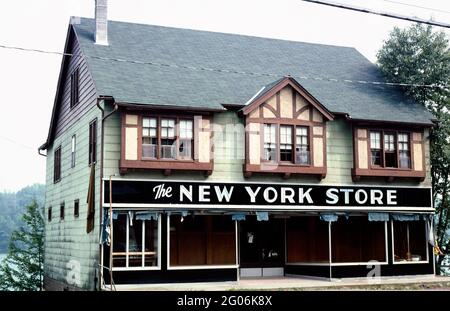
x=409, y=241
x=135, y=241
x=357, y=239
x=307, y=240
x=202, y=240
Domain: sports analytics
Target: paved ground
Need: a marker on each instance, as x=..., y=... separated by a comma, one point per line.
x=303, y=283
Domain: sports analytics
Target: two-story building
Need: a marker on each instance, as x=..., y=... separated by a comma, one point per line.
x=180, y=155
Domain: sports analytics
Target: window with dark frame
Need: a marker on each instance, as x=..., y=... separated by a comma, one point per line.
x=302, y=145
x=76, y=208
x=390, y=152
x=61, y=211
x=390, y=149
x=74, y=88
x=167, y=138
x=270, y=142
x=73, y=150
x=57, y=165
x=286, y=143
x=49, y=214
x=93, y=142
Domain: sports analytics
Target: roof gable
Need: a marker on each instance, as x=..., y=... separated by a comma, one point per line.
x=272, y=89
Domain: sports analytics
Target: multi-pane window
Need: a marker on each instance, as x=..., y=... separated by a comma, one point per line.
x=390, y=149
x=301, y=145
x=161, y=136
x=186, y=139
x=390, y=153
x=134, y=241
x=270, y=142
x=57, y=165
x=168, y=140
x=149, y=137
x=93, y=142
x=286, y=143
x=403, y=150
x=74, y=88
x=73, y=151
x=375, y=148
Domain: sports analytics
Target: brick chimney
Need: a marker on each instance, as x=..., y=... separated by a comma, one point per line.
x=101, y=22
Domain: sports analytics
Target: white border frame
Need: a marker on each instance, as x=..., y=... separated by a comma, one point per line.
x=158, y=267
x=198, y=267
x=337, y=264
x=410, y=262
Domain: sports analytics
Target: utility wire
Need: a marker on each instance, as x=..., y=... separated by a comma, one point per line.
x=386, y=14
x=417, y=6
x=231, y=71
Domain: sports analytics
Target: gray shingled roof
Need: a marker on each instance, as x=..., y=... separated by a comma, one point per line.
x=159, y=85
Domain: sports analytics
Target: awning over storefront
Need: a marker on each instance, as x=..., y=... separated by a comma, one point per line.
x=330, y=217
x=146, y=215
x=405, y=217
x=262, y=216
x=378, y=216
x=238, y=216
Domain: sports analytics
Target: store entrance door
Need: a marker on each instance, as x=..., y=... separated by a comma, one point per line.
x=261, y=247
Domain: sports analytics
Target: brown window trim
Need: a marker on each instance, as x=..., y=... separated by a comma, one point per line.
x=390, y=173
x=293, y=138
x=286, y=169
x=164, y=165
x=57, y=155
x=383, y=152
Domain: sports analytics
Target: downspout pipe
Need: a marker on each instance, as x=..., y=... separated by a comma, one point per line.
x=104, y=117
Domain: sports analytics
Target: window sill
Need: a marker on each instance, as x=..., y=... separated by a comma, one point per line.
x=166, y=166
x=286, y=169
x=390, y=173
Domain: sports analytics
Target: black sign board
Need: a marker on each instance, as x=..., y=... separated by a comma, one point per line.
x=186, y=193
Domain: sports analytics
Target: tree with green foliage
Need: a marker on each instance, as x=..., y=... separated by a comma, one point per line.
x=420, y=57
x=22, y=269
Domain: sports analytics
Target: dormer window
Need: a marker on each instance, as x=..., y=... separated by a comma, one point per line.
x=168, y=146
x=286, y=143
x=394, y=153
x=149, y=138
x=186, y=144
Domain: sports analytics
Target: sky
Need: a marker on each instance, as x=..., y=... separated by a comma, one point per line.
x=28, y=80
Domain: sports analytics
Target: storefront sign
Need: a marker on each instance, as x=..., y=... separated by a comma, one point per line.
x=163, y=193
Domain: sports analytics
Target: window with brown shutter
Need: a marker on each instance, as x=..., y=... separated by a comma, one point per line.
x=57, y=165
x=93, y=142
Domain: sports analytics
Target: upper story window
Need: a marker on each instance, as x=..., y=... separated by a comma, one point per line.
x=62, y=211
x=57, y=165
x=76, y=208
x=270, y=142
x=92, y=142
x=49, y=214
x=74, y=88
x=164, y=138
x=286, y=143
x=390, y=149
x=285, y=138
x=186, y=143
x=302, y=146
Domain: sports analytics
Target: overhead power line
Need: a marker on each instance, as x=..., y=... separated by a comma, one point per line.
x=386, y=14
x=417, y=6
x=222, y=70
